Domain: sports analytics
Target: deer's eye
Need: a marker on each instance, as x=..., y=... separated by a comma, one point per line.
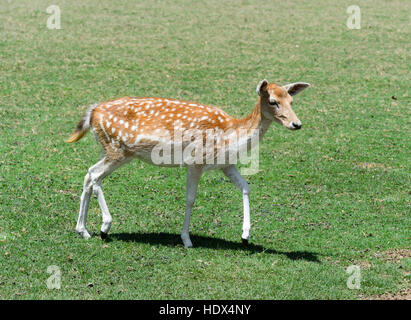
x=273, y=103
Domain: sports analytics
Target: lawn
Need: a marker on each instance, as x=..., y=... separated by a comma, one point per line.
x=334, y=194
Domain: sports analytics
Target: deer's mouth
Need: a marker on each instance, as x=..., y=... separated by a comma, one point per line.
x=294, y=125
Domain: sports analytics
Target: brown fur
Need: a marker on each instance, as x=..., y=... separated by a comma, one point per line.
x=118, y=123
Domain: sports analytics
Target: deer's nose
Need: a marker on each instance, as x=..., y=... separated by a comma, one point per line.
x=296, y=125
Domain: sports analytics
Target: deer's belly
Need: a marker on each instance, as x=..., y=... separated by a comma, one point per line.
x=170, y=154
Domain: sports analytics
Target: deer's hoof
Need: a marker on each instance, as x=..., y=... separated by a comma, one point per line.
x=84, y=233
x=103, y=235
x=187, y=243
x=245, y=242
x=186, y=240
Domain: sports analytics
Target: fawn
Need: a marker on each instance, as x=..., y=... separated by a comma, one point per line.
x=133, y=127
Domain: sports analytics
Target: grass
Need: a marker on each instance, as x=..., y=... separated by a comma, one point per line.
x=333, y=194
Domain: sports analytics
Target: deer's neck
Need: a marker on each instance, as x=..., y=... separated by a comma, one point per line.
x=256, y=122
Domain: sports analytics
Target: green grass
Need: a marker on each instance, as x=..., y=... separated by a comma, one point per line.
x=333, y=194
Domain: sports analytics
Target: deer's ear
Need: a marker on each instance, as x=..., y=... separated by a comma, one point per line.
x=261, y=86
x=295, y=88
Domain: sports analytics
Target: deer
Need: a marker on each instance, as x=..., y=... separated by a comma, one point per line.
x=129, y=128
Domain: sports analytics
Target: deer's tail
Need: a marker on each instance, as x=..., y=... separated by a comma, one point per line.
x=83, y=126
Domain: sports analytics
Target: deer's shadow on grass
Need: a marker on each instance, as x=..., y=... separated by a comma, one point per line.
x=172, y=239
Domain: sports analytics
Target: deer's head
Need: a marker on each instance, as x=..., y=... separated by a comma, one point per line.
x=276, y=102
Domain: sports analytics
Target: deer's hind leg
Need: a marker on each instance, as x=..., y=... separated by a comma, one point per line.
x=193, y=177
x=84, y=203
x=92, y=184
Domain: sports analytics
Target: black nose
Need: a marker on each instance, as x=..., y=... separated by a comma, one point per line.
x=296, y=126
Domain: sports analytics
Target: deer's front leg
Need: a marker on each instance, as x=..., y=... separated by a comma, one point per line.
x=193, y=177
x=235, y=176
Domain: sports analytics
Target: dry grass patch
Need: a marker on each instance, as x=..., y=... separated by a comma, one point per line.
x=404, y=294
x=394, y=255
x=372, y=165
